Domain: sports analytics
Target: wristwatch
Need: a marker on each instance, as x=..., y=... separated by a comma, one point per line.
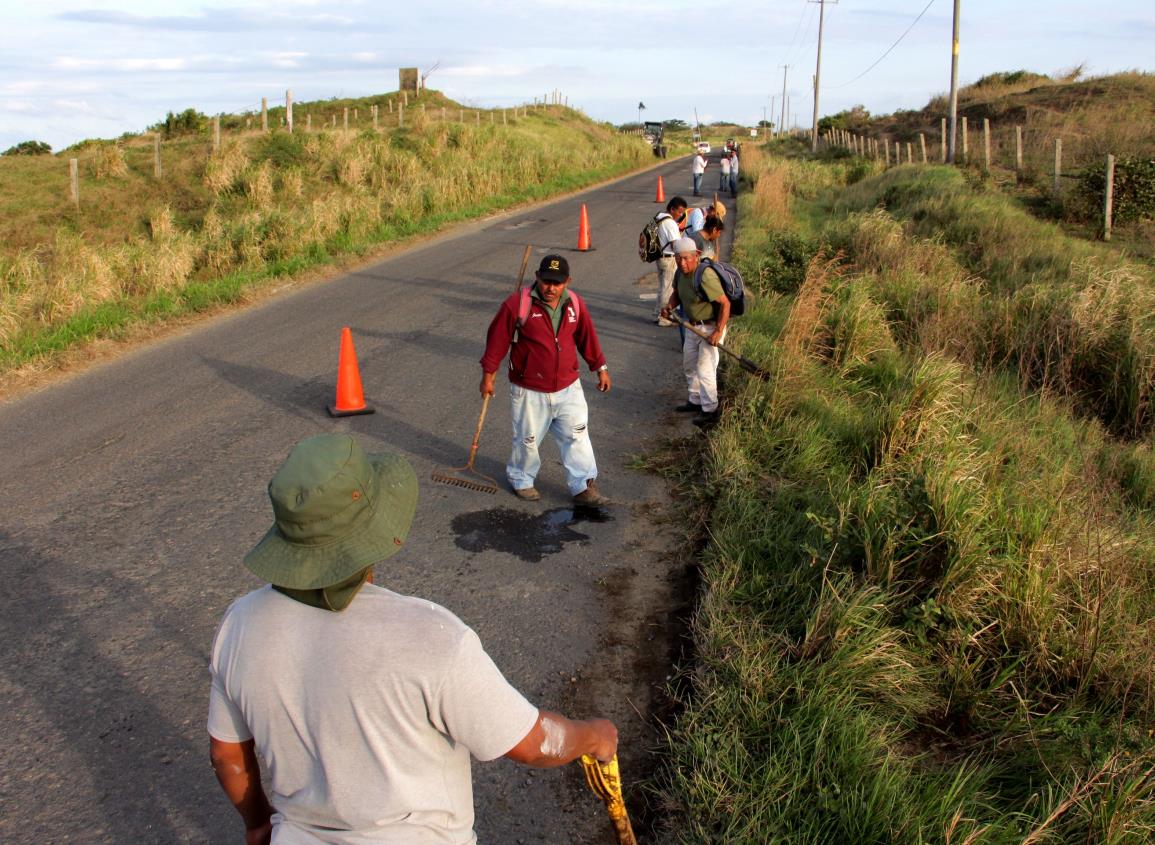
x=604, y=368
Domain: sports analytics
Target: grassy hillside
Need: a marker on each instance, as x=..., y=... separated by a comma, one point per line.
x=1092, y=118
x=215, y=225
x=927, y=602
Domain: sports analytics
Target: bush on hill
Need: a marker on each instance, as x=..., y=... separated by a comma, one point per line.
x=29, y=148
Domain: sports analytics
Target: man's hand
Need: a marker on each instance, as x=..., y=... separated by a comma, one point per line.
x=262, y=835
x=604, y=381
x=487, y=380
x=606, y=743
x=716, y=338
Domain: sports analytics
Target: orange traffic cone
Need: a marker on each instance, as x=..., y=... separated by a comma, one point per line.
x=661, y=197
x=584, y=231
x=350, y=399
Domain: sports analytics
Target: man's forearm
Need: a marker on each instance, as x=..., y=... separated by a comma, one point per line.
x=239, y=774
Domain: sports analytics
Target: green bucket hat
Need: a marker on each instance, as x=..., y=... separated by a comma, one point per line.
x=336, y=511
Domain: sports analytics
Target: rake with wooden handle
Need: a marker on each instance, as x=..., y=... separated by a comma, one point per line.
x=466, y=476
x=605, y=781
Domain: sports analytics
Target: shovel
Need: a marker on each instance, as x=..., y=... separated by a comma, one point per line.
x=605, y=781
x=747, y=365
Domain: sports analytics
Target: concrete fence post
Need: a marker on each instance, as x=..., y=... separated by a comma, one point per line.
x=909, y=153
x=886, y=150
x=289, y=111
x=345, y=118
x=897, y=153
x=922, y=145
x=375, y=125
x=156, y=168
x=309, y=122
x=74, y=181
x=986, y=143
x=1109, y=198
x=264, y=114
x=400, y=115
x=1018, y=149
x=942, y=139
x=966, y=142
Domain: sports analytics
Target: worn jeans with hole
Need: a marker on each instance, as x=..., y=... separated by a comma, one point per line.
x=564, y=415
x=667, y=269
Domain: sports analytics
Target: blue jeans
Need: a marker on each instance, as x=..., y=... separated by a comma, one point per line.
x=697, y=184
x=564, y=415
x=734, y=184
x=723, y=180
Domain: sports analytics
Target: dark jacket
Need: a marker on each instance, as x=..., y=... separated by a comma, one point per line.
x=538, y=360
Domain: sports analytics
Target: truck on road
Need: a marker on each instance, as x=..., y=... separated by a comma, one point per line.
x=652, y=131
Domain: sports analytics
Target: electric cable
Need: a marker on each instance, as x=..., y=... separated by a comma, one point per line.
x=884, y=55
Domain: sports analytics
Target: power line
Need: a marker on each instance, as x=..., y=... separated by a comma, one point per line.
x=888, y=50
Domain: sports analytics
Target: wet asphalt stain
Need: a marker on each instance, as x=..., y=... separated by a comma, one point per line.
x=528, y=536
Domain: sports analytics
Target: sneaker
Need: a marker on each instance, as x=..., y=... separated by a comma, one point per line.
x=590, y=496
x=689, y=408
x=706, y=419
x=529, y=494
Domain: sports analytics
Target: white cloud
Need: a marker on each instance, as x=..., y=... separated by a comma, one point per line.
x=120, y=65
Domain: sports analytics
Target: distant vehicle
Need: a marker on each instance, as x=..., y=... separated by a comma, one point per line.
x=703, y=147
x=652, y=132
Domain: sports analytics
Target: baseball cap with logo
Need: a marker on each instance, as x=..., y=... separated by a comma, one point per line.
x=554, y=268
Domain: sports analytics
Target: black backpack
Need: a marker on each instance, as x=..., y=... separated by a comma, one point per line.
x=732, y=284
x=649, y=243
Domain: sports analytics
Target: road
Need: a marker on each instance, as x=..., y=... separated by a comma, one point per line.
x=131, y=491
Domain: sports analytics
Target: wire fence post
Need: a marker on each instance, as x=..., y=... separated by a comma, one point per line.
x=289, y=110
x=1058, y=164
x=156, y=169
x=943, y=141
x=74, y=181
x=986, y=144
x=922, y=145
x=216, y=133
x=1019, y=150
x=966, y=142
x=264, y=114
x=1109, y=197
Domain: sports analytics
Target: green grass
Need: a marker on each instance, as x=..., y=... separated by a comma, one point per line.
x=141, y=250
x=928, y=588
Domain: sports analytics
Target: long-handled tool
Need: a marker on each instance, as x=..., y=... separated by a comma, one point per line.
x=466, y=476
x=606, y=783
x=747, y=365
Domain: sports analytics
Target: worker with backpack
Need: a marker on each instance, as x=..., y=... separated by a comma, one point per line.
x=656, y=244
x=709, y=292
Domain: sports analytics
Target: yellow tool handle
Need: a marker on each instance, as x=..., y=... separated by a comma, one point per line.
x=477, y=434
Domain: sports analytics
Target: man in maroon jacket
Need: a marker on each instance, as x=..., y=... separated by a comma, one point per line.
x=544, y=330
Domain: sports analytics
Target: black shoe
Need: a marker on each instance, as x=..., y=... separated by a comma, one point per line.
x=706, y=419
x=689, y=408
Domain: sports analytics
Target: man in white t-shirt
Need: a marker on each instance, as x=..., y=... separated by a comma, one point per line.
x=669, y=230
x=365, y=705
x=697, y=168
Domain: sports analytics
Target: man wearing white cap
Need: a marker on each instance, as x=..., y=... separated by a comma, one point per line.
x=707, y=309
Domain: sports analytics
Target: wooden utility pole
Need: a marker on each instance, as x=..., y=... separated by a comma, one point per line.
x=818, y=72
x=950, y=156
x=782, y=120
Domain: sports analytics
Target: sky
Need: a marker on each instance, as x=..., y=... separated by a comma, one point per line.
x=76, y=69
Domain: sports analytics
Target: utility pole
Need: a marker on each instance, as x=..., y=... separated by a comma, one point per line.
x=818, y=72
x=782, y=120
x=953, y=86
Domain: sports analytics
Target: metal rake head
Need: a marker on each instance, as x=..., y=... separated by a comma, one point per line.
x=489, y=486
x=604, y=779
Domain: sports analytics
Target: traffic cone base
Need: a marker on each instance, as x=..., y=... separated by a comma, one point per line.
x=350, y=398
x=584, y=231
x=661, y=195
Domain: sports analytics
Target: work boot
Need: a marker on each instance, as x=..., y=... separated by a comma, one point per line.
x=528, y=494
x=590, y=496
x=688, y=407
x=706, y=419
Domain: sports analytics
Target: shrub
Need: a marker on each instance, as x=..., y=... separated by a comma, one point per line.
x=188, y=122
x=29, y=148
x=1134, y=191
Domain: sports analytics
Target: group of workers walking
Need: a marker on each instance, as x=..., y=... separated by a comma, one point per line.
x=366, y=705
x=727, y=171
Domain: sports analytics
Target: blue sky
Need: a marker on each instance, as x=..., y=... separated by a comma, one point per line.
x=75, y=69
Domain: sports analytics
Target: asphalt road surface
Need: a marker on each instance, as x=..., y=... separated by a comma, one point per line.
x=130, y=492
